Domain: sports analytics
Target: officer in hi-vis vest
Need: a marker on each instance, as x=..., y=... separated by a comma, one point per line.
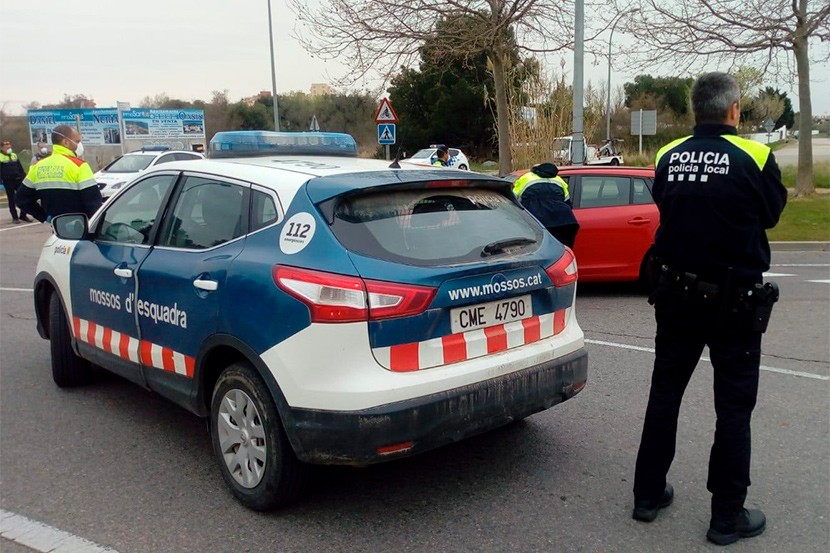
x=545, y=194
x=62, y=182
x=717, y=194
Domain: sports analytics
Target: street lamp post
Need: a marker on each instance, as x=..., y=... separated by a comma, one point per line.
x=273, y=71
x=608, y=102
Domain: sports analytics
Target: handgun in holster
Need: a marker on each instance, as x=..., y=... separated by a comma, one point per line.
x=762, y=297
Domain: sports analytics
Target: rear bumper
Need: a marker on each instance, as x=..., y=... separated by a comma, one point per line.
x=354, y=437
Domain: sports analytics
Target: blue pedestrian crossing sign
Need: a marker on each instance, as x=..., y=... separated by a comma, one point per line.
x=386, y=133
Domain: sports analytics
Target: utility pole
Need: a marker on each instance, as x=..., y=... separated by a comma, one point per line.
x=273, y=71
x=578, y=138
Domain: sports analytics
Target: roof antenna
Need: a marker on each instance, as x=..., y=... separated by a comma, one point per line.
x=395, y=164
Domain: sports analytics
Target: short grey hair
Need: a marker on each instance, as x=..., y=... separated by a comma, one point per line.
x=712, y=96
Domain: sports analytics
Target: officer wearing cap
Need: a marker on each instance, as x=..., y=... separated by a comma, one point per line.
x=61, y=183
x=717, y=194
x=442, y=156
x=545, y=194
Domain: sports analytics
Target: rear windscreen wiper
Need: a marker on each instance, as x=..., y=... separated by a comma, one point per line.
x=501, y=245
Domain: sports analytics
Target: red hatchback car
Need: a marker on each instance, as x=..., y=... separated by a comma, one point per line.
x=617, y=220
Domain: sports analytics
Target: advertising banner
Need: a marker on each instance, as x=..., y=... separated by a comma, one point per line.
x=97, y=126
x=100, y=126
x=164, y=123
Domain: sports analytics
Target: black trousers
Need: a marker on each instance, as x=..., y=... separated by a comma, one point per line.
x=683, y=329
x=565, y=234
x=11, y=186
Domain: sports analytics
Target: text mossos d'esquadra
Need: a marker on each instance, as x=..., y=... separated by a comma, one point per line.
x=157, y=312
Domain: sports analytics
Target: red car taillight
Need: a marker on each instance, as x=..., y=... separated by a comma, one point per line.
x=389, y=299
x=564, y=271
x=334, y=298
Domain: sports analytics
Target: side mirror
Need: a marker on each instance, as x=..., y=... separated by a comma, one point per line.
x=71, y=226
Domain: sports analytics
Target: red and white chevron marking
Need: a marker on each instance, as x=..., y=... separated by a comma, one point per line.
x=453, y=348
x=132, y=349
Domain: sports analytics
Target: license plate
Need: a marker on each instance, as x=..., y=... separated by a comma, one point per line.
x=482, y=315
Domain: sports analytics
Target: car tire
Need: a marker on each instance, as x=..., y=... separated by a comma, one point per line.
x=462, y=167
x=68, y=369
x=615, y=161
x=250, y=444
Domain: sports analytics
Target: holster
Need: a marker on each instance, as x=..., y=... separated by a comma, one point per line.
x=761, y=298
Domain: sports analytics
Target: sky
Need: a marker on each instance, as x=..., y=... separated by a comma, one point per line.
x=124, y=50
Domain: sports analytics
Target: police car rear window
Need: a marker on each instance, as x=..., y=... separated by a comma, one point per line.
x=432, y=226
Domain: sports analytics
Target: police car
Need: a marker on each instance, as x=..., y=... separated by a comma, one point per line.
x=318, y=309
x=426, y=156
x=120, y=171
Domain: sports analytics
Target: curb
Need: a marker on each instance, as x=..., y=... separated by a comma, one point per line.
x=799, y=246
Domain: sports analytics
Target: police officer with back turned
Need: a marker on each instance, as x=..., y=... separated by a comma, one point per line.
x=717, y=194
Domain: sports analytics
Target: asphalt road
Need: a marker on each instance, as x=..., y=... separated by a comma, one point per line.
x=788, y=155
x=123, y=468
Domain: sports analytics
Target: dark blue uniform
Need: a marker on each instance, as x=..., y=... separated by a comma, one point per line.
x=717, y=194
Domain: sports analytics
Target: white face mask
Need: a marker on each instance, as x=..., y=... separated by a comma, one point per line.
x=44, y=150
x=9, y=151
x=79, y=150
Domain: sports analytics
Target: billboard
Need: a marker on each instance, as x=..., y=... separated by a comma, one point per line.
x=154, y=124
x=97, y=126
x=100, y=127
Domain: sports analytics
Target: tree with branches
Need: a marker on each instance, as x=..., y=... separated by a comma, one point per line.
x=775, y=35
x=374, y=37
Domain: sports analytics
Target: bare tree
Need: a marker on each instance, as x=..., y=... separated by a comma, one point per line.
x=373, y=36
x=776, y=35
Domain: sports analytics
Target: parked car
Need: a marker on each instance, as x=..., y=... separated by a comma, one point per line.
x=316, y=308
x=618, y=220
x=125, y=168
x=426, y=156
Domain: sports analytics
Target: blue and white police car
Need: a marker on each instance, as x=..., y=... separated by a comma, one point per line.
x=316, y=307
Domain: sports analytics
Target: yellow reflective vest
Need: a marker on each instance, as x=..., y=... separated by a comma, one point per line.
x=521, y=184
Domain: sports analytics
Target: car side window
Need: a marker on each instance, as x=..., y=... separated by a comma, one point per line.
x=185, y=157
x=132, y=215
x=208, y=213
x=642, y=195
x=604, y=191
x=263, y=210
x=165, y=159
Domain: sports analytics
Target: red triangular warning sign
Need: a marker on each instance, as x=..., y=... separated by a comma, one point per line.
x=385, y=113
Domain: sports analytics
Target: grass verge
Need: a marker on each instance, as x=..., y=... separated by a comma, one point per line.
x=804, y=219
x=821, y=174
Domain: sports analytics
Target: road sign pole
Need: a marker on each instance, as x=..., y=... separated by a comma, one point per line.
x=641, y=131
x=387, y=152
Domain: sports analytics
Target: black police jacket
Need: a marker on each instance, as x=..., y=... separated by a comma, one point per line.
x=717, y=194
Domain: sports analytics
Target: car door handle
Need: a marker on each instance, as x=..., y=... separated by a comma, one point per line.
x=208, y=285
x=123, y=273
x=638, y=221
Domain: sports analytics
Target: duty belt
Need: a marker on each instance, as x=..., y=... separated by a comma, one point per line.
x=687, y=287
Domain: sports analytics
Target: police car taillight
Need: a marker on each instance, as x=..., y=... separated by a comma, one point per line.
x=564, y=271
x=334, y=298
x=390, y=299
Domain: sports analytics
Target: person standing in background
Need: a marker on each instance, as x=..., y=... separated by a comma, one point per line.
x=12, y=175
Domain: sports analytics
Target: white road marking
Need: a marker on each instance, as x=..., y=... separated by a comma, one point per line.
x=800, y=265
x=820, y=281
x=778, y=275
x=16, y=290
x=44, y=538
x=20, y=226
x=704, y=358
